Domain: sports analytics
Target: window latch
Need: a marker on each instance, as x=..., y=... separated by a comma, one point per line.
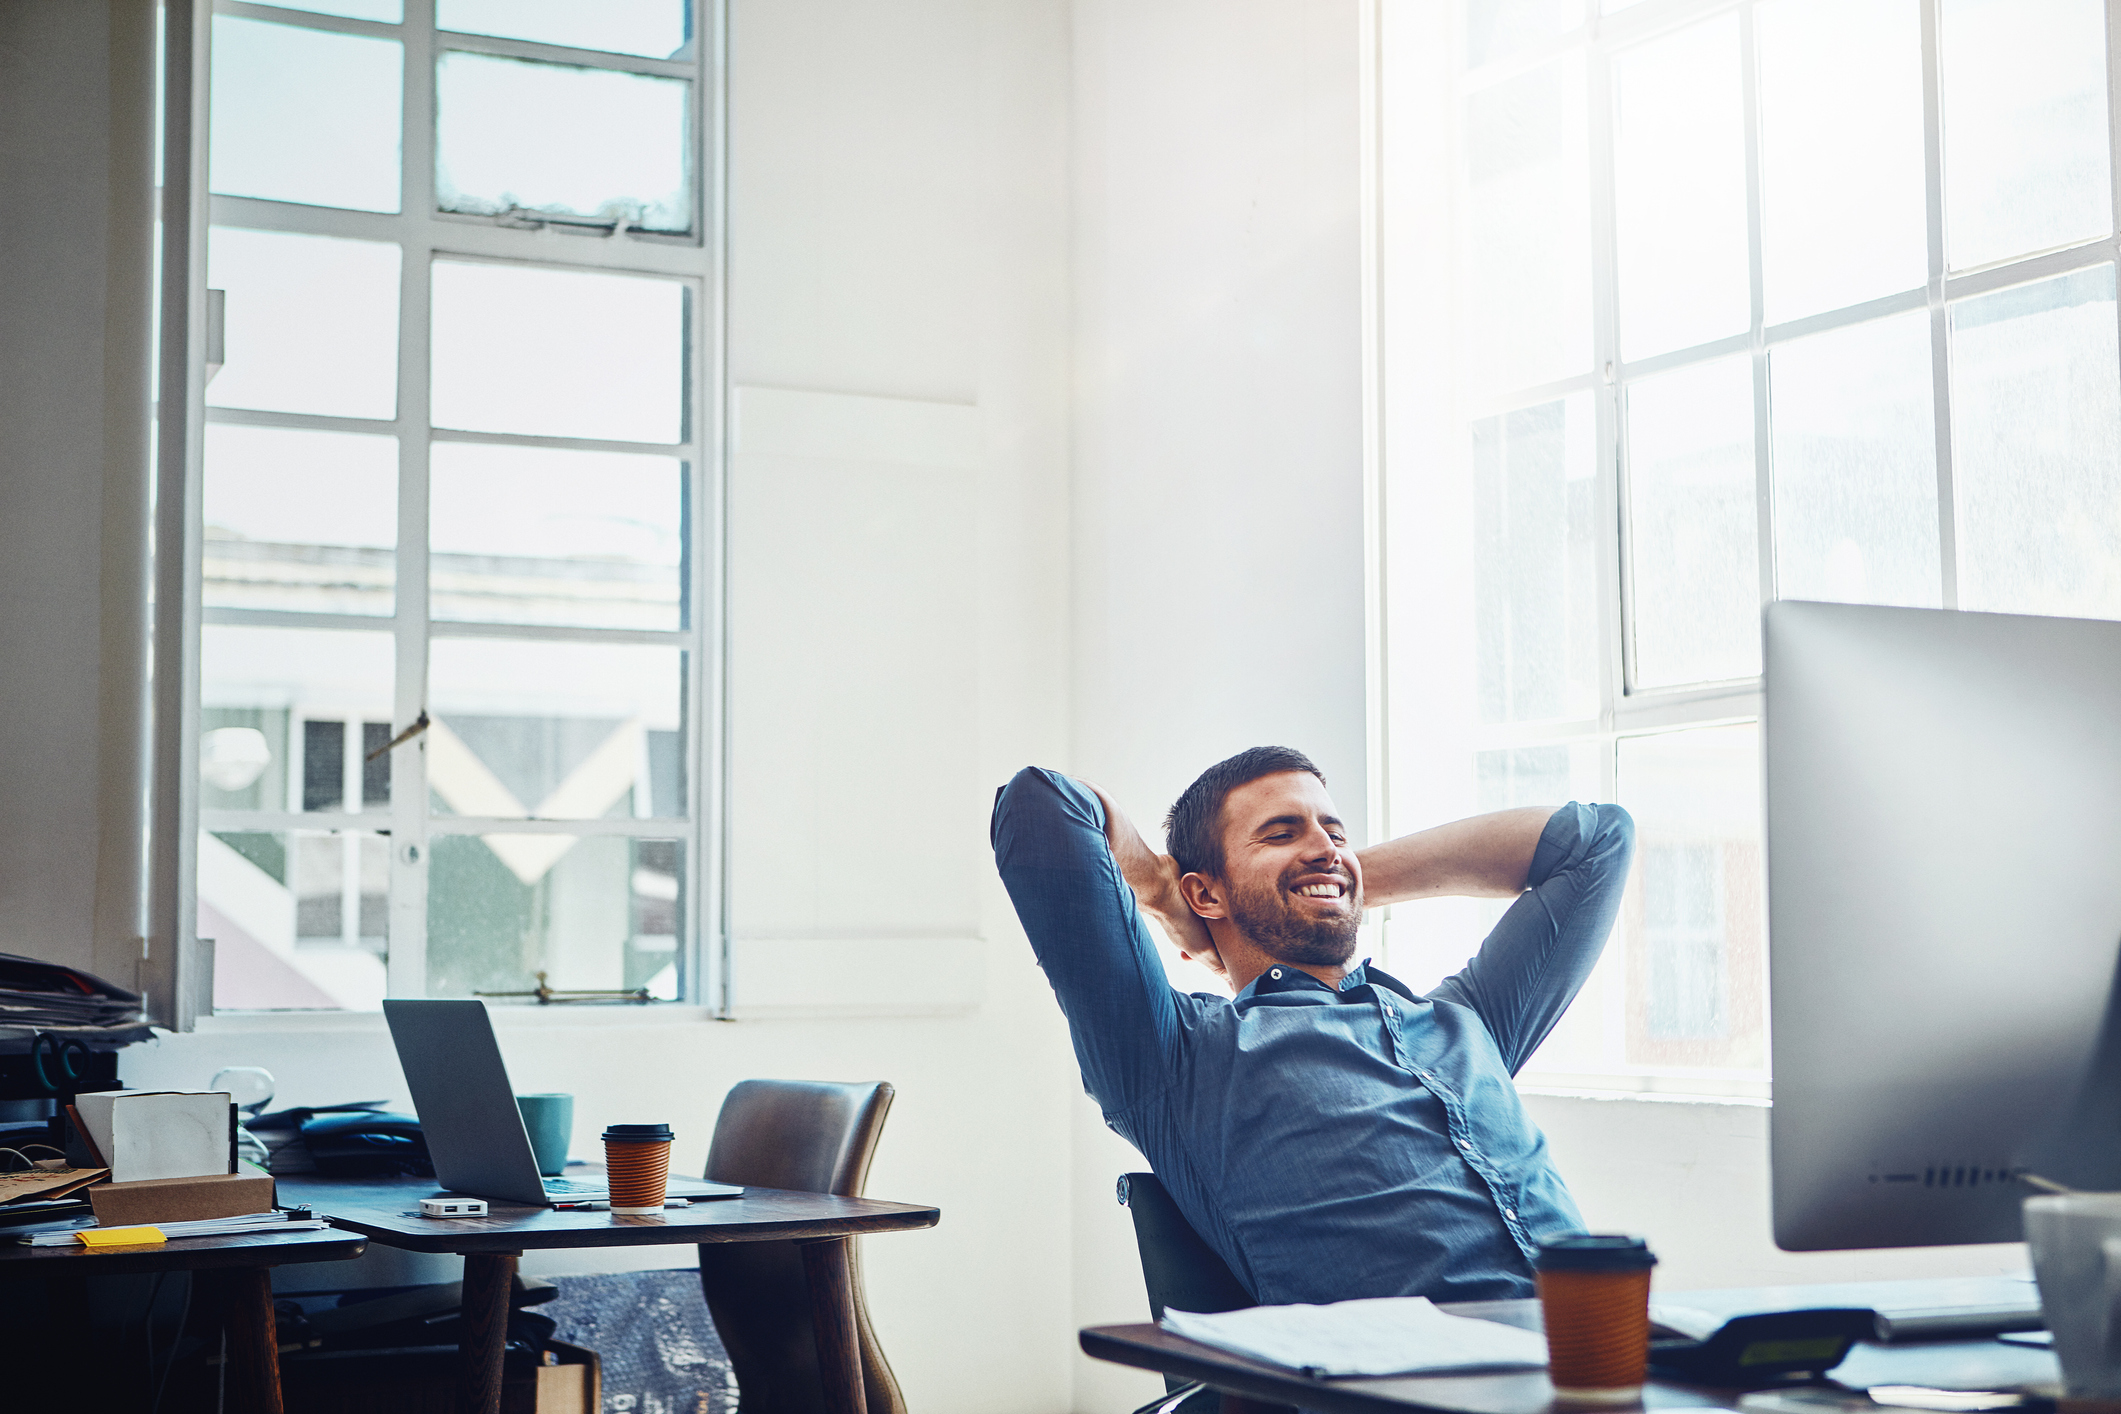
x=419, y=724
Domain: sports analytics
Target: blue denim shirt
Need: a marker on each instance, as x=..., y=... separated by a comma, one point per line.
x=1329, y=1144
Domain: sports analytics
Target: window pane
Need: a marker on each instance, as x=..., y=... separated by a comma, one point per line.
x=1855, y=465
x=1430, y=943
x=1694, y=556
x=555, y=731
x=557, y=353
x=298, y=918
x=562, y=140
x=2036, y=459
x=1679, y=190
x=599, y=912
x=310, y=674
x=1693, y=924
x=655, y=29
x=1496, y=28
x=303, y=521
x=2025, y=165
x=1529, y=253
x=1535, y=596
x=312, y=323
x=306, y=115
x=1841, y=152
x=535, y=536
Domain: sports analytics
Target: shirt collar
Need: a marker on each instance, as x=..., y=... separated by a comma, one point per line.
x=1283, y=978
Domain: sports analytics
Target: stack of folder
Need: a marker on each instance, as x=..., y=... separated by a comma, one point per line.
x=45, y=996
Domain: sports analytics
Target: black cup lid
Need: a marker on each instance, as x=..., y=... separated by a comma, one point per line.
x=637, y=1133
x=1595, y=1252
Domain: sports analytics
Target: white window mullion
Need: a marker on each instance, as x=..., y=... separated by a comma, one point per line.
x=1940, y=336
x=1605, y=346
x=1763, y=471
x=409, y=850
x=704, y=934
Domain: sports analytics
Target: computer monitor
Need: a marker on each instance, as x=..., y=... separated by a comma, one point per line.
x=1943, y=796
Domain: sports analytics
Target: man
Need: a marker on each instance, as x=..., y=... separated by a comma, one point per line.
x=1329, y=1133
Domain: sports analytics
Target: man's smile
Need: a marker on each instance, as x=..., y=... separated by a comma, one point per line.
x=1322, y=888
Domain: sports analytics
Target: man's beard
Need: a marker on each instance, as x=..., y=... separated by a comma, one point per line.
x=1264, y=915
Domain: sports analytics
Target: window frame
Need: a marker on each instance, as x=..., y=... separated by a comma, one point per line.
x=424, y=235
x=1423, y=80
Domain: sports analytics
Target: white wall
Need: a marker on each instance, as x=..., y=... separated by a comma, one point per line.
x=76, y=103
x=1218, y=571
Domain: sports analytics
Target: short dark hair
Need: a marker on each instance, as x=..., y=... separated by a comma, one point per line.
x=1193, y=831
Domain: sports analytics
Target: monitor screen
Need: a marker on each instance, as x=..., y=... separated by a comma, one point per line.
x=1943, y=795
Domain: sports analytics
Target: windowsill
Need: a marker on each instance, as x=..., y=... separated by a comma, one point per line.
x=244, y=1023
x=1550, y=1092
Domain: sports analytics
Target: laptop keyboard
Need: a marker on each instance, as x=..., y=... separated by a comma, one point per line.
x=573, y=1185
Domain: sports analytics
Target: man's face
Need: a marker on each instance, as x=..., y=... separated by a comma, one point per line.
x=1294, y=883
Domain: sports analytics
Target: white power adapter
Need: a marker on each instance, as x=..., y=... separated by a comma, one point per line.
x=452, y=1207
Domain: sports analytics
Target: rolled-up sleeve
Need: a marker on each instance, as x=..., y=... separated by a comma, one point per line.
x=1537, y=958
x=1048, y=833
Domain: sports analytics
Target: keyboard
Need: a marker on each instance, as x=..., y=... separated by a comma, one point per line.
x=574, y=1187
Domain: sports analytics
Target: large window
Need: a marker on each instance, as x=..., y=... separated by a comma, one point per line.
x=1689, y=305
x=458, y=469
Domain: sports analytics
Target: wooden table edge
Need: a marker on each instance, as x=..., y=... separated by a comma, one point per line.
x=449, y=1238
x=40, y=1261
x=1223, y=1370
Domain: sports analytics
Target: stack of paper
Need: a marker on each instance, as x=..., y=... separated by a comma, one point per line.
x=1388, y=1335
x=44, y=1181
x=64, y=1234
x=44, y=996
x=160, y=1133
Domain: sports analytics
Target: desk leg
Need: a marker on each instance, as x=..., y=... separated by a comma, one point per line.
x=839, y=1353
x=245, y=1297
x=487, y=1279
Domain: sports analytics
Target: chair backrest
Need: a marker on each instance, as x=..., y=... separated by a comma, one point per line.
x=816, y=1137
x=1177, y=1266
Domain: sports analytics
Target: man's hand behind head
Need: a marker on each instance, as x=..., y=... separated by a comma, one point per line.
x=1154, y=878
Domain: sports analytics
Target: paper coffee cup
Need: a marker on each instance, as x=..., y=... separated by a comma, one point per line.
x=637, y=1164
x=1594, y=1291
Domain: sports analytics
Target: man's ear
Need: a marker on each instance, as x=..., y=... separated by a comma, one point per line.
x=1204, y=895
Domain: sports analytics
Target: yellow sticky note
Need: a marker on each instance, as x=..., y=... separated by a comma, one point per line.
x=120, y=1236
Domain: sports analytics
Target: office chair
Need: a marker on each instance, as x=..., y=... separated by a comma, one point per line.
x=816, y=1137
x=1182, y=1270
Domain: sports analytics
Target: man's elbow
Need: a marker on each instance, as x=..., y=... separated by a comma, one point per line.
x=1035, y=807
x=1613, y=836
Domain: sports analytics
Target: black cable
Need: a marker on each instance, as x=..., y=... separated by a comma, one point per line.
x=169, y=1363
x=147, y=1321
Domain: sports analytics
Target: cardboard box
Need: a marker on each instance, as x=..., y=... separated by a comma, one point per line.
x=154, y=1200
x=571, y=1381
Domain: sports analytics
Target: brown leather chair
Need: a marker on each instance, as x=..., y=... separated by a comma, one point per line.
x=817, y=1137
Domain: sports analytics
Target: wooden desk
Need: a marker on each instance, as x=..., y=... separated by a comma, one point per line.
x=233, y=1271
x=388, y=1210
x=1963, y=1364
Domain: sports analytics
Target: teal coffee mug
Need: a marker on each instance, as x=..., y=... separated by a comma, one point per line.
x=550, y=1120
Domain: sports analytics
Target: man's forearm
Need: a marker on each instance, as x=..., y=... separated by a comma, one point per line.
x=1487, y=856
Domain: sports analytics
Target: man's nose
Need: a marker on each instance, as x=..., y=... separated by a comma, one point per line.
x=1321, y=849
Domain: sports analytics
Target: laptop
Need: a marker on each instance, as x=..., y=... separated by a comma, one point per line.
x=468, y=1113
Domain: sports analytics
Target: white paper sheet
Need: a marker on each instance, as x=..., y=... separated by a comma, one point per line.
x=1391, y=1335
